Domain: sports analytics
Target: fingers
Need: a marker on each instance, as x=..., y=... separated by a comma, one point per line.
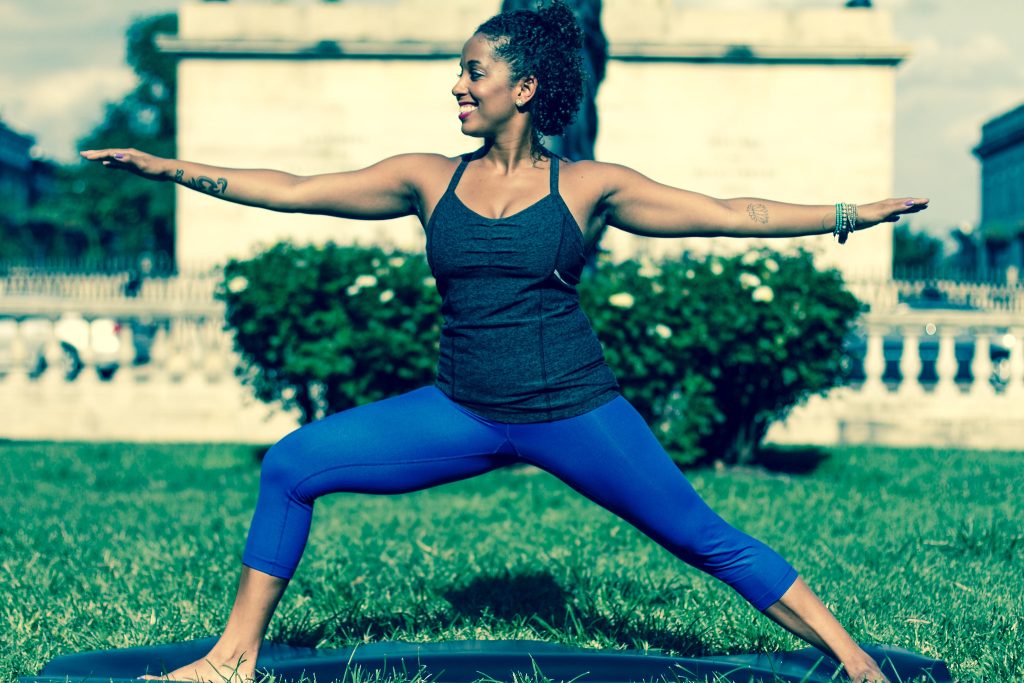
x=911, y=204
x=107, y=155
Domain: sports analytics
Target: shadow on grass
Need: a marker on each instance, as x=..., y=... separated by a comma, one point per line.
x=791, y=459
x=259, y=452
x=533, y=598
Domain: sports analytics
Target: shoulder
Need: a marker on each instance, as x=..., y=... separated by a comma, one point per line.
x=600, y=170
x=599, y=177
x=421, y=169
x=417, y=162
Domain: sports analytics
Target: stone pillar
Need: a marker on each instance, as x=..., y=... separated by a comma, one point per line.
x=910, y=364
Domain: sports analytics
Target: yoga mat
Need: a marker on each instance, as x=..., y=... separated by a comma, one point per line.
x=463, y=661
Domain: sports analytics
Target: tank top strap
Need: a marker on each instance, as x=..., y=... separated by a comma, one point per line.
x=554, y=175
x=458, y=172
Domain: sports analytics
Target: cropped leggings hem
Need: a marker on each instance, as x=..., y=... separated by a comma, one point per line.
x=422, y=438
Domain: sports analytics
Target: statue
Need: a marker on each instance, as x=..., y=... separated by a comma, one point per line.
x=577, y=142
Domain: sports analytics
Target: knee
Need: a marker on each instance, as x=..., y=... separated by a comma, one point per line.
x=282, y=464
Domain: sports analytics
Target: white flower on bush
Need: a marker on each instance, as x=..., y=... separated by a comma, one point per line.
x=396, y=261
x=749, y=280
x=621, y=299
x=648, y=268
x=361, y=281
x=237, y=284
x=375, y=262
x=716, y=267
x=690, y=274
x=663, y=331
x=771, y=265
x=657, y=287
x=750, y=258
x=386, y=296
x=429, y=281
x=763, y=293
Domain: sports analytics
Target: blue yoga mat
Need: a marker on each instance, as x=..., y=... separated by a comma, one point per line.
x=464, y=661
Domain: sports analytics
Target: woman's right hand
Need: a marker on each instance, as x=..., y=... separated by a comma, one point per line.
x=139, y=163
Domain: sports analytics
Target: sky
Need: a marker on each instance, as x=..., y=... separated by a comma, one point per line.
x=62, y=59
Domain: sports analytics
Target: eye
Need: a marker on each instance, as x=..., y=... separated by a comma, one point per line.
x=473, y=75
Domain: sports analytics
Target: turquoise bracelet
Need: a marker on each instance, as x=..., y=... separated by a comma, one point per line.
x=846, y=221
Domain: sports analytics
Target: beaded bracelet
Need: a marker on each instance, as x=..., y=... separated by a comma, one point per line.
x=846, y=221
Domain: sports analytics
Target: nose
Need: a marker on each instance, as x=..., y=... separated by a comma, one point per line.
x=459, y=89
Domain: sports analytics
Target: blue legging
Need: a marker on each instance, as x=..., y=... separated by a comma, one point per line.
x=422, y=438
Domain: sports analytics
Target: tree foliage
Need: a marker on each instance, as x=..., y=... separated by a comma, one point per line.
x=915, y=252
x=94, y=214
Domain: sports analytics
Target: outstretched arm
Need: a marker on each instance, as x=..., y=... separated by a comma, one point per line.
x=386, y=189
x=633, y=202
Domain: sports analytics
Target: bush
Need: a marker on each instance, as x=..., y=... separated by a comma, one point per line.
x=325, y=329
x=710, y=350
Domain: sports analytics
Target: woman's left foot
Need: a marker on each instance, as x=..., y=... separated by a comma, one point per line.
x=864, y=669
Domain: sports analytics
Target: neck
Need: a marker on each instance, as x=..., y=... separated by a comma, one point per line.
x=508, y=151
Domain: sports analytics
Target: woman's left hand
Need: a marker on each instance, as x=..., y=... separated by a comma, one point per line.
x=888, y=210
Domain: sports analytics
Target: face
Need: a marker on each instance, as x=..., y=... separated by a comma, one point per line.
x=483, y=89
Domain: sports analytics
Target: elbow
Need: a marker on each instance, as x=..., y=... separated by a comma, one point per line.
x=289, y=197
x=735, y=220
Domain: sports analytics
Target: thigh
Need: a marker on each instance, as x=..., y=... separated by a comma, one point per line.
x=612, y=457
x=403, y=443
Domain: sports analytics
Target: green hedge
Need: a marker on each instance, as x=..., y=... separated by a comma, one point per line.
x=710, y=350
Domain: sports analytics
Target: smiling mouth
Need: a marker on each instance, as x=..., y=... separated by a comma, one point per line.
x=466, y=109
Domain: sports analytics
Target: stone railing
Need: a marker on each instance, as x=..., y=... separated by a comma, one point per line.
x=924, y=376
x=160, y=369
x=884, y=295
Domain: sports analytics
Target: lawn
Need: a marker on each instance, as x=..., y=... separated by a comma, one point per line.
x=118, y=545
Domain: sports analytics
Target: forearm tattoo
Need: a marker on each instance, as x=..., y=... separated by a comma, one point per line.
x=203, y=183
x=758, y=213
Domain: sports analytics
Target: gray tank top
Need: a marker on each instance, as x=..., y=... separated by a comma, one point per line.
x=515, y=345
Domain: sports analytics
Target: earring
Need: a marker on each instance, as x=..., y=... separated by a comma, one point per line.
x=519, y=103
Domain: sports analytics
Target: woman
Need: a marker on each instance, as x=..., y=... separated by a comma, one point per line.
x=521, y=376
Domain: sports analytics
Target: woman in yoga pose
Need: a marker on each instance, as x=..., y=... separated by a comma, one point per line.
x=520, y=376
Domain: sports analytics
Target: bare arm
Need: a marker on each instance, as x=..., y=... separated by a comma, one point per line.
x=635, y=203
x=387, y=189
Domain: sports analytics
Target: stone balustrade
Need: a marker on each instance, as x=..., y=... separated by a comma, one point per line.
x=941, y=377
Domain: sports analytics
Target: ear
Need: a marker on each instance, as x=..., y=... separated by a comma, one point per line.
x=526, y=89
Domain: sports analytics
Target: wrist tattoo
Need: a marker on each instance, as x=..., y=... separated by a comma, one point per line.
x=208, y=185
x=179, y=175
x=758, y=212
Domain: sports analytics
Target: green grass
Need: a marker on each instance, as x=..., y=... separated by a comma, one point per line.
x=111, y=546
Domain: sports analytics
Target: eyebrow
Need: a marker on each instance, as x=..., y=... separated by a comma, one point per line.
x=471, y=62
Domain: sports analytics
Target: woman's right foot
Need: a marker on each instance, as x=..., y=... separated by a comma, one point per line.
x=213, y=668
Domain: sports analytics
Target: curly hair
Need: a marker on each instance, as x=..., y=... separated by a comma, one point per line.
x=545, y=43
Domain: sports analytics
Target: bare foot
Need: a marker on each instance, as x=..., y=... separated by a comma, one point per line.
x=213, y=668
x=864, y=669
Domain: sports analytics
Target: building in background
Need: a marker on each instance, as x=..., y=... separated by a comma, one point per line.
x=23, y=179
x=790, y=105
x=1001, y=153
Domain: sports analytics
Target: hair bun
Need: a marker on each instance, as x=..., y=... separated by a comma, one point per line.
x=561, y=21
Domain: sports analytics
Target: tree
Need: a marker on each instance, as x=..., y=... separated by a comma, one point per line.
x=914, y=253
x=96, y=215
